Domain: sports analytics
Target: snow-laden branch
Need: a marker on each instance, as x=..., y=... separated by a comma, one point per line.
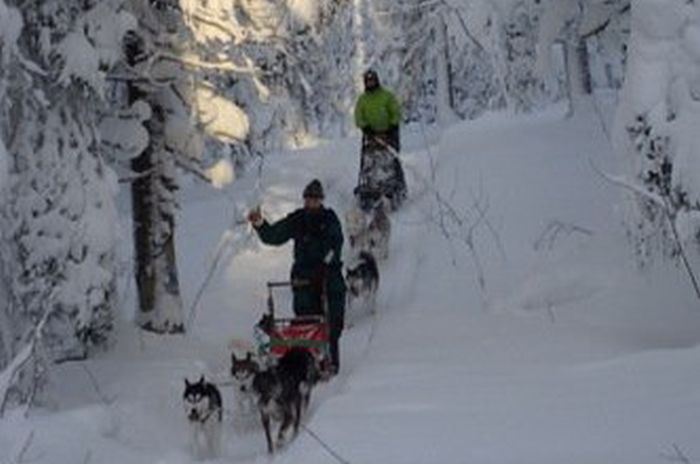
x=21, y=359
x=664, y=204
x=631, y=186
x=7, y=376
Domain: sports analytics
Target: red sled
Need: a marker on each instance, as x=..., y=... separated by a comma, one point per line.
x=306, y=332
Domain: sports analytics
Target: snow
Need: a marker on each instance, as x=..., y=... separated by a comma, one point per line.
x=568, y=354
x=221, y=174
x=80, y=62
x=305, y=11
x=4, y=162
x=106, y=28
x=221, y=118
x=124, y=134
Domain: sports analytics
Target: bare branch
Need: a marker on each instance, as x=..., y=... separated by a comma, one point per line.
x=7, y=377
x=454, y=224
x=20, y=458
x=664, y=204
x=677, y=455
x=107, y=401
x=554, y=229
x=630, y=186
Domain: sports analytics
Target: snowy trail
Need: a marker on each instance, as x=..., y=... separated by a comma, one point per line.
x=559, y=361
x=567, y=355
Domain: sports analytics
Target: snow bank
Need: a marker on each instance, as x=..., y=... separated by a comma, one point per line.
x=657, y=120
x=4, y=161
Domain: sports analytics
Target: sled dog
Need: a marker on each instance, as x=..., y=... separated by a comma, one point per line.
x=243, y=372
x=204, y=408
x=356, y=228
x=282, y=393
x=362, y=280
x=378, y=232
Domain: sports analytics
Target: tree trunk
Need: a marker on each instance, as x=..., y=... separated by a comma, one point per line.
x=577, y=75
x=445, y=109
x=153, y=214
x=160, y=305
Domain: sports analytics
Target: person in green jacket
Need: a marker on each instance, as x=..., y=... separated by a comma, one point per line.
x=318, y=243
x=377, y=112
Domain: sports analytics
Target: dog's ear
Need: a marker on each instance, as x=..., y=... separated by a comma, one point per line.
x=187, y=382
x=234, y=359
x=249, y=356
x=201, y=379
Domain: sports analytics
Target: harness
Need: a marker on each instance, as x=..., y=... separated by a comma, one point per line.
x=206, y=417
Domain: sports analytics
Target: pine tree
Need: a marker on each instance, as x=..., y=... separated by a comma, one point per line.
x=173, y=63
x=59, y=218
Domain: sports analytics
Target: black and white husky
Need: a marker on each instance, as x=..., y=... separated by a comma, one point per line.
x=283, y=392
x=378, y=232
x=362, y=280
x=369, y=231
x=204, y=410
x=356, y=228
x=243, y=372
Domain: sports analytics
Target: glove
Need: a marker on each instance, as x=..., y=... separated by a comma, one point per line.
x=255, y=217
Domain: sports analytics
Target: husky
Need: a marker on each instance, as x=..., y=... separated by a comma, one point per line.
x=356, y=228
x=204, y=408
x=378, y=232
x=283, y=392
x=243, y=372
x=363, y=281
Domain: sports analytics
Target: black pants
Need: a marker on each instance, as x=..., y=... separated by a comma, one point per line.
x=307, y=303
x=336, y=322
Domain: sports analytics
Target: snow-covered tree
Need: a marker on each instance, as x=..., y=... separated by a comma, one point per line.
x=10, y=72
x=304, y=82
x=571, y=23
x=172, y=103
x=455, y=57
x=656, y=129
x=58, y=215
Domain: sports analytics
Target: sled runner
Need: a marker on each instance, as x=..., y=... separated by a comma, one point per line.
x=381, y=175
x=275, y=336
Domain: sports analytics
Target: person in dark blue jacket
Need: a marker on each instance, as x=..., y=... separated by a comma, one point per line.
x=318, y=242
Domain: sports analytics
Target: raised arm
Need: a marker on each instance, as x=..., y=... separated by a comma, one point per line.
x=277, y=233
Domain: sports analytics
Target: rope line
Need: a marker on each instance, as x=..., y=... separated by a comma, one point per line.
x=325, y=445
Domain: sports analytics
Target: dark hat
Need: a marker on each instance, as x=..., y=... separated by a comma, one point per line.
x=371, y=74
x=314, y=189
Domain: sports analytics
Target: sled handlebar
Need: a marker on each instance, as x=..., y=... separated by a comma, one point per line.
x=288, y=283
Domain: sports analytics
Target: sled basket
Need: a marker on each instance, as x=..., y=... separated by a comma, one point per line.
x=277, y=335
x=309, y=332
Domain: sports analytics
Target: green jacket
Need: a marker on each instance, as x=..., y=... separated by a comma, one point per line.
x=377, y=110
x=314, y=235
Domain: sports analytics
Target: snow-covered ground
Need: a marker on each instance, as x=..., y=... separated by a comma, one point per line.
x=566, y=354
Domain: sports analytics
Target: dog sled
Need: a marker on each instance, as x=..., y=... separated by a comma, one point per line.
x=381, y=176
x=275, y=336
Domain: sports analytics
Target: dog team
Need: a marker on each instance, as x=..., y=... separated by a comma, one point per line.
x=278, y=390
